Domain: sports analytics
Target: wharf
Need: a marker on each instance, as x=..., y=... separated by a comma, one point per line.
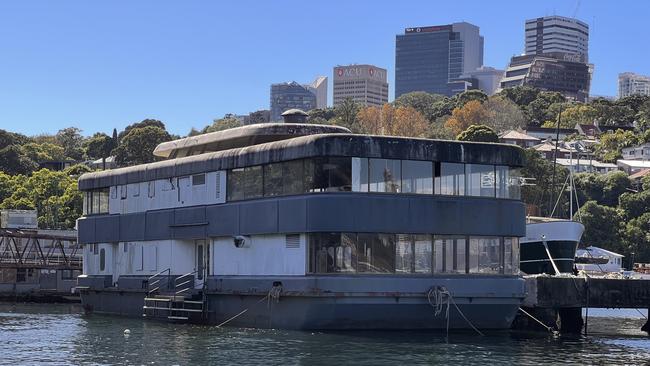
x=558, y=300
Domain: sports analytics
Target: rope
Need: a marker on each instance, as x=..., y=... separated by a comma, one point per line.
x=438, y=293
x=551, y=330
x=274, y=294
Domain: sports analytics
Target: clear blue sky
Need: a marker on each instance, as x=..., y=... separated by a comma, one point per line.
x=102, y=65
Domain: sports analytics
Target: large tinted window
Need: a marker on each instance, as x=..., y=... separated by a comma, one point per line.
x=385, y=175
x=376, y=253
x=331, y=175
x=293, y=177
x=360, y=174
x=332, y=252
x=480, y=180
x=450, y=254
x=272, y=179
x=404, y=254
x=485, y=255
x=245, y=183
x=417, y=177
x=450, y=179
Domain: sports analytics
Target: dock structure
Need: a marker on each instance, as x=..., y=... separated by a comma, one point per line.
x=38, y=264
x=559, y=300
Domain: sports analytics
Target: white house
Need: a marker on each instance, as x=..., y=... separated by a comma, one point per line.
x=640, y=152
x=613, y=264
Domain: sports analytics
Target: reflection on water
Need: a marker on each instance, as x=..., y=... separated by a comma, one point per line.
x=59, y=334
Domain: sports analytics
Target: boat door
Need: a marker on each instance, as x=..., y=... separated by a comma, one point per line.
x=202, y=250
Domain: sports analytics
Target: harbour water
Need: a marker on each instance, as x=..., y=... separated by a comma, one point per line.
x=54, y=334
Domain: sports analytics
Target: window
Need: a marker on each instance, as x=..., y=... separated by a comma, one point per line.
x=507, y=183
x=273, y=179
x=480, y=180
x=151, y=189
x=292, y=177
x=485, y=255
x=331, y=175
x=417, y=177
x=450, y=179
x=198, y=179
x=135, y=188
x=450, y=254
x=384, y=175
x=376, y=253
x=102, y=259
x=245, y=183
x=404, y=254
x=123, y=192
x=168, y=185
x=359, y=175
x=332, y=252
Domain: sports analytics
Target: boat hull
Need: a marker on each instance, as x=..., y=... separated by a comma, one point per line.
x=561, y=237
x=340, y=303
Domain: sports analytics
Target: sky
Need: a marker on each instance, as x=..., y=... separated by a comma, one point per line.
x=103, y=65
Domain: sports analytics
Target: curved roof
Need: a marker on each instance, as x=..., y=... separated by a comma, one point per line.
x=307, y=147
x=294, y=111
x=244, y=136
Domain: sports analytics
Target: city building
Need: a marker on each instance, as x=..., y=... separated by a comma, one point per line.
x=560, y=72
x=557, y=34
x=286, y=96
x=488, y=78
x=640, y=152
x=630, y=83
x=319, y=88
x=365, y=84
x=432, y=59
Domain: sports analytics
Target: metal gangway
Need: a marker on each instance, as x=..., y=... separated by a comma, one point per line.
x=42, y=249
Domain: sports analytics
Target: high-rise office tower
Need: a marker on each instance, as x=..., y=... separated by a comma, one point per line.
x=319, y=88
x=630, y=83
x=557, y=34
x=286, y=96
x=432, y=59
x=365, y=84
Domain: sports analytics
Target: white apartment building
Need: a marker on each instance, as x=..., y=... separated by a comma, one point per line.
x=630, y=83
x=365, y=84
x=557, y=34
x=488, y=78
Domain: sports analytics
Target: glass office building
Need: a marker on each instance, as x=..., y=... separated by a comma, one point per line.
x=285, y=96
x=432, y=59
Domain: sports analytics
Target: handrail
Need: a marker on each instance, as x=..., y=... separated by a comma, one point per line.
x=168, y=270
x=157, y=282
x=177, y=285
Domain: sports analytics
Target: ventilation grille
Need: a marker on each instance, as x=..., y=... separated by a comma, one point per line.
x=293, y=241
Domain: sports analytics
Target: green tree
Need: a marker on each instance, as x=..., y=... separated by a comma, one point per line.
x=10, y=138
x=470, y=95
x=222, y=124
x=261, y=116
x=611, y=114
x=72, y=142
x=422, y=102
x=100, y=146
x=520, y=95
x=77, y=170
x=319, y=115
x=614, y=185
x=346, y=115
x=544, y=107
x=503, y=114
x=144, y=123
x=137, y=146
x=643, y=117
x=541, y=191
x=634, y=204
x=637, y=238
x=603, y=226
x=611, y=144
x=13, y=161
x=478, y=133
x=43, y=152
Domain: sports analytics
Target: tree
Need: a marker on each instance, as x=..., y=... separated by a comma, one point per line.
x=603, y=226
x=43, y=152
x=611, y=144
x=100, y=146
x=8, y=185
x=472, y=113
x=10, y=138
x=222, y=124
x=391, y=121
x=541, y=192
x=346, y=115
x=77, y=170
x=422, y=102
x=469, y=96
x=261, y=116
x=611, y=114
x=614, y=185
x=319, y=115
x=502, y=114
x=578, y=114
x=520, y=95
x=71, y=140
x=478, y=133
x=143, y=123
x=13, y=161
x=643, y=116
x=634, y=204
x=637, y=238
x=137, y=146
x=544, y=107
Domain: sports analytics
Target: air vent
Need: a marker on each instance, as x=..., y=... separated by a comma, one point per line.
x=293, y=241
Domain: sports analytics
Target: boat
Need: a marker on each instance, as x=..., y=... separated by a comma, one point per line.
x=303, y=226
x=550, y=245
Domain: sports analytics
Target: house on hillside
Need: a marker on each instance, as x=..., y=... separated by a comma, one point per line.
x=518, y=138
x=632, y=166
x=639, y=152
x=548, y=133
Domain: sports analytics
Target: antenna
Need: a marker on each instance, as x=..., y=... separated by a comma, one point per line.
x=575, y=11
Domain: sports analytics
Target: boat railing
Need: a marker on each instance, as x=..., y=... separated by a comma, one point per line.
x=184, y=283
x=158, y=281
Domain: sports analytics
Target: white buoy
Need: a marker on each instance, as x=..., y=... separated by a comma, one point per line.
x=127, y=331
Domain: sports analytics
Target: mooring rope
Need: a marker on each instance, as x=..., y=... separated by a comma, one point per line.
x=438, y=293
x=274, y=294
x=551, y=330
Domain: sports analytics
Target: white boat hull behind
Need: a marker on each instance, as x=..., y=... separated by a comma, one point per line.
x=561, y=237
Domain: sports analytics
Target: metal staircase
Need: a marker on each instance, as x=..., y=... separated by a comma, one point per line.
x=173, y=299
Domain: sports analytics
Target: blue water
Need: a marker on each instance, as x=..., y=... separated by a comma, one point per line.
x=32, y=334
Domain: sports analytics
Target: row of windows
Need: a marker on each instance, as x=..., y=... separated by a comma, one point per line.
x=335, y=174
x=368, y=253
x=96, y=201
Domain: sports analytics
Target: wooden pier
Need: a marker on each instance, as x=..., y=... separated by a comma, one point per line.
x=558, y=301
